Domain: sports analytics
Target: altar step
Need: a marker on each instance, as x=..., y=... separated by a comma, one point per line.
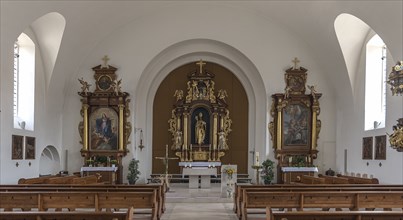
x=178, y=178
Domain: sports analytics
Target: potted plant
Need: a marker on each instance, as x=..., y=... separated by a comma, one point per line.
x=267, y=171
x=134, y=172
x=114, y=162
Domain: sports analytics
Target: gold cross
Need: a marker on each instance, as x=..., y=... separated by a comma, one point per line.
x=106, y=59
x=166, y=159
x=201, y=64
x=295, y=61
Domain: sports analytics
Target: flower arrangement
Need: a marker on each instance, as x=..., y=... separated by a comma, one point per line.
x=229, y=171
x=90, y=162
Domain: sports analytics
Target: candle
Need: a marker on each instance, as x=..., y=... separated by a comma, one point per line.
x=290, y=159
x=257, y=159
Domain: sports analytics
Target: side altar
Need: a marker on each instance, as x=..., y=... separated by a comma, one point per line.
x=295, y=126
x=200, y=124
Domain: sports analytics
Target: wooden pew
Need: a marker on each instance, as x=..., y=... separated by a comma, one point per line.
x=325, y=215
x=35, y=180
x=305, y=179
x=158, y=188
x=334, y=179
x=61, y=180
x=359, y=180
x=239, y=188
x=81, y=215
x=322, y=200
x=83, y=200
x=92, y=179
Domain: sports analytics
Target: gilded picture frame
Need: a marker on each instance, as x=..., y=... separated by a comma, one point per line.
x=296, y=126
x=367, y=148
x=17, y=143
x=104, y=132
x=30, y=148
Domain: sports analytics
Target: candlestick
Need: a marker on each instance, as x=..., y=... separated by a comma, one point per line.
x=257, y=159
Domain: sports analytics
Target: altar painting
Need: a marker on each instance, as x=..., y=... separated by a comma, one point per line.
x=296, y=125
x=104, y=129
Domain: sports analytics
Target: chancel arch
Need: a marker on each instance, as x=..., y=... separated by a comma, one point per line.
x=215, y=52
x=200, y=111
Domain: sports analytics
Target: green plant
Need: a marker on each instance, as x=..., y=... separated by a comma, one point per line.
x=134, y=172
x=267, y=171
x=299, y=161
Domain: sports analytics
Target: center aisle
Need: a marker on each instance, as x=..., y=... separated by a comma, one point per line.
x=193, y=204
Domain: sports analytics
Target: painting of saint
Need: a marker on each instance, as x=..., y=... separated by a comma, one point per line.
x=29, y=148
x=16, y=147
x=296, y=125
x=380, y=147
x=104, y=129
x=367, y=143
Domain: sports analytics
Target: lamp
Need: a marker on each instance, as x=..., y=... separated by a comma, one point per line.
x=395, y=79
x=141, y=146
x=396, y=138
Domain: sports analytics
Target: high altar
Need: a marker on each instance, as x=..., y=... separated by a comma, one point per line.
x=295, y=127
x=200, y=122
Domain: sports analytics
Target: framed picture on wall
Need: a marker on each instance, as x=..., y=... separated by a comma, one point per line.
x=16, y=147
x=380, y=147
x=29, y=148
x=367, y=143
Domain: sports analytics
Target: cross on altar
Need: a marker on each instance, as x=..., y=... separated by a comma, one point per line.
x=201, y=64
x=166, y=159
x=106, y=59
x=295, y=61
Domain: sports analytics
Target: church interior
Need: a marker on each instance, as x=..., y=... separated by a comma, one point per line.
x=201, y=88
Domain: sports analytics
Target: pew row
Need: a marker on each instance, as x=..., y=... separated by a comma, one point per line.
x=351, y=200
x=97, y=201
x=332, y=215
x=78, y=215
x=160, y=190
x=240, y=188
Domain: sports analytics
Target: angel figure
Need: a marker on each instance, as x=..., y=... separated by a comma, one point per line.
x=116, y=86
x=222, y=94
x=313, y=90
x=178, y=94
x=85, y=86
x=287, y=92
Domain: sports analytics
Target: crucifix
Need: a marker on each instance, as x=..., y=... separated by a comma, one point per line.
x=201, y=64
x=165, y=160
x=106, y=59
x=295, y=61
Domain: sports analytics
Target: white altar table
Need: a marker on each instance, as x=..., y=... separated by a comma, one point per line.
x=203, y=172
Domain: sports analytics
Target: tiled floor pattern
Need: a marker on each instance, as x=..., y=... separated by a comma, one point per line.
x=183, y=203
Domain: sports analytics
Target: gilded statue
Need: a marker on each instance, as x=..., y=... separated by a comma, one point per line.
x=85, y=86
x=200, y=129
x=116, y=85
x=222, y=141
x=177, y=140
x=178, y=94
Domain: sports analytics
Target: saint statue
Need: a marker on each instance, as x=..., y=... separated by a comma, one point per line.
x=200, y=129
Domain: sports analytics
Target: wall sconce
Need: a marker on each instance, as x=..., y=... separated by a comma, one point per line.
x=141, y=146
x=396, y=138
x=395, y=79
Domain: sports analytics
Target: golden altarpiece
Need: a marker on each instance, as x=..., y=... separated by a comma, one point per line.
x=200, y=122
x=104, y=128
x=295, y=126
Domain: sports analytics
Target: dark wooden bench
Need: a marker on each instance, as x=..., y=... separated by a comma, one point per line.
x=240, y=188
x=79, y=215
x=160, y=191
x=340, y=215
x=351, y=200
x=305, y=179
x=359, y=180
x=73, y=200
x=334, y=179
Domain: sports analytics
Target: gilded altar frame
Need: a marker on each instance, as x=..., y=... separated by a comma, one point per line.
x=295, y=125
x=104, y=129
x=201, y=103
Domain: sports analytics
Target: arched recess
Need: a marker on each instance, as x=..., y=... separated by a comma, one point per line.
x=352, y=34
x=50, y=161
x=49, y=31
x=210, y=51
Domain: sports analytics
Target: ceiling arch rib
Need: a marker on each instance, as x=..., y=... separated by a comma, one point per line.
x=351, y=33
x=49, y=31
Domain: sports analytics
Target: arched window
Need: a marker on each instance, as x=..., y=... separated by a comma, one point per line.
x=375, y=84
x=24, y=83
